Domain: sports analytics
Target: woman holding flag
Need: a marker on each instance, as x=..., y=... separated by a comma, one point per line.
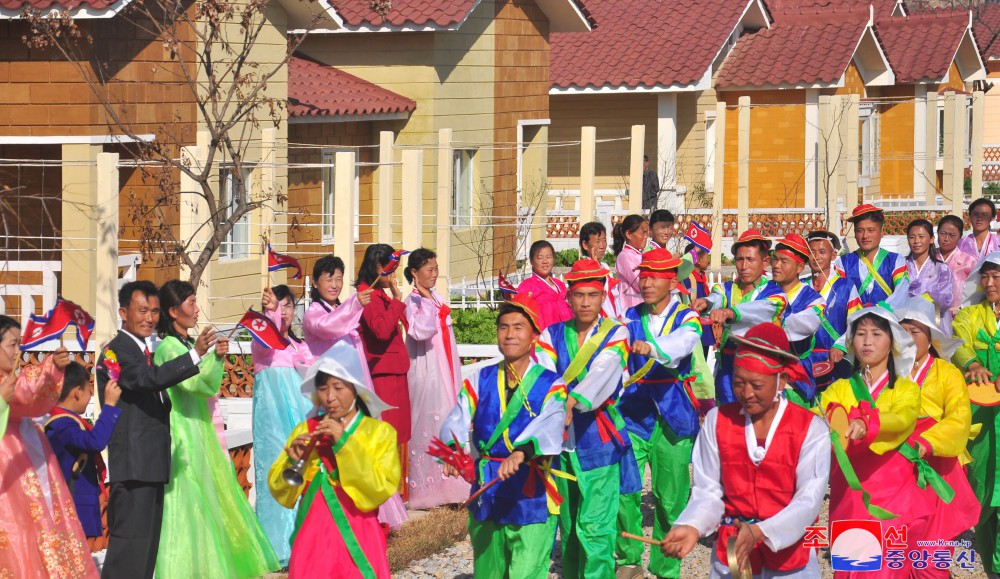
x=327, y=320
x=434, y=378
x=278, y=406
x=209, y=529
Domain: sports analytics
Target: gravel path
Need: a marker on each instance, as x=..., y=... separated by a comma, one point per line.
x=456, y=562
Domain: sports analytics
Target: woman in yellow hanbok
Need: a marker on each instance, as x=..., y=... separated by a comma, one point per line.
x=350, y=468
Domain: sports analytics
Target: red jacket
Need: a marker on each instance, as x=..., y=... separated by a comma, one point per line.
x=382, y=322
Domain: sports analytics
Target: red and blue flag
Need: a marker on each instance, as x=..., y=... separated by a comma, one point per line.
x=51, y=326
x=699, y=236
x=276, y=261
x=263, y=330
x=506, y=288
x=394, y=260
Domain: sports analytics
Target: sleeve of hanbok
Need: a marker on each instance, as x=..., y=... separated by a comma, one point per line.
x=716, y=299
x=900, y=277
x=458, y=423
x=811, y=476
x=209, y=378
x=964, y=326
x=333, y=324
x=750, y=314
x=368, y=465
x=545, y=431
x=628, y=277
x=36, y=390
x=605, y=372
x=286, y=494
x=705, y=508
x=545, y=353
x=889, y=425
x=671, y=348
x=804, y=324
x=4, y=416
x=422, y=317
x=949, y=436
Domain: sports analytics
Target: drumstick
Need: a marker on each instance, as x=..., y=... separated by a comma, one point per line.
x=646, y=540
x=476, y=494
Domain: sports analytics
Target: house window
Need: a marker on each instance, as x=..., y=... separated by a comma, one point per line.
x=236, y=245
x=329, y=188
x=940, y=132
x=869, y=143
x=710, y=153
x=462, y=188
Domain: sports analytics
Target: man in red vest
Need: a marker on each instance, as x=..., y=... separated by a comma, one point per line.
x=745, y=456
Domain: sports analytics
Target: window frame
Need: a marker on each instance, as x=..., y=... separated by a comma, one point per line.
x=463, y=214
x=236, y=245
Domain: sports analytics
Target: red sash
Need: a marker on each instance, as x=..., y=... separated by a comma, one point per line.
x=102, y=469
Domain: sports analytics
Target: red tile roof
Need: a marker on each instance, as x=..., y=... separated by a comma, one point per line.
x=922, y=46
x=986, y=29
x=319, y=90
x=419, y=13
x=779, y=7
x=644, y=43
x=63, y=4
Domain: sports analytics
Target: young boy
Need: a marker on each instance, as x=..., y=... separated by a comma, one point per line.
x=594, y=245
x=661, y=229
x=78, y=444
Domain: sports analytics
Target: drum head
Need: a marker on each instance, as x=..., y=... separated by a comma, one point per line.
x=837, y=415
x=984, y=394
x=822, y=369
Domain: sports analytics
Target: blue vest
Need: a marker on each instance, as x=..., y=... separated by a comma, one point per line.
x=801, y=348
x=661, y=390
x=505, y=503
x=856, y=272
x=725, y=358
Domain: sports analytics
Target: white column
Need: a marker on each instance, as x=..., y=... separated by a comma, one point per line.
x=719, y=189
x=954, y=150
x=635, y=169
x=106, y=312
x=920, y=144
x=743, y=160
x=268, y=159
x=588, y=160
x=386, y=175
x=343, y=214
x=978, y=113
x=445, y=178
x=79, y=224
x=413, y=197
x=850, y=164
x=931, y=158
x=812, y=147
x=666, y=148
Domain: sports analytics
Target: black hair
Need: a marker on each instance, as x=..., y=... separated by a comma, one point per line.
x=983, y=201
x=589, y=230
x=884, y=325
x=6, y=323
x=418, y=259
x=281, y=292
x=661, y=216
x=929, y=228
x=987, y=266
x=126, y=292
x=377, y=254
x=172, y=294
x=762, y=249
x=955, y=220
x=628, y=225
x=691, y=247
x=330, y=264
x=876, y=216
x=322, y=377
x=75, y=376
x=509, y=308
x=538, y=246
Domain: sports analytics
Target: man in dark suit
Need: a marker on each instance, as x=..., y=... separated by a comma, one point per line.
x=139, y=450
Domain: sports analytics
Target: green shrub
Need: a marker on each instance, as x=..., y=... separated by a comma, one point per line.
x=609, y=259
x=475, y=326
x=567, y=257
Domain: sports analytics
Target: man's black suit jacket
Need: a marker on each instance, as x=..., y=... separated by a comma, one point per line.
x=139, y=449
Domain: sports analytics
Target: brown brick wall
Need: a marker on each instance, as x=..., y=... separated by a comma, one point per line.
x=521, y=91
x=305, y=186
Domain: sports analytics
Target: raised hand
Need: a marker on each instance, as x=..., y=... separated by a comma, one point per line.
x=268, y=300
x=206, y=339
x=365, y=297
x=61, y=357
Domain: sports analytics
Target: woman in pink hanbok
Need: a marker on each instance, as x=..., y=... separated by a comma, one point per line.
x=40, y=535
x=547, y=290
x=981, y=242
x=949, y=232
x=629, y=238
x=928, y=274
x=434, y=378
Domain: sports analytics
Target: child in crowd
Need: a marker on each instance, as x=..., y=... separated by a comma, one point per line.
x=77, y=443
x=629, y=240
x=661, y=229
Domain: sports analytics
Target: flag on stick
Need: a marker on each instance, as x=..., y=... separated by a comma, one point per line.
x=51, y=326
x=263, y=330
x=276, y=261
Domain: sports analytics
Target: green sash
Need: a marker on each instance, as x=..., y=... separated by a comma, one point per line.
x=578, y=367
x=926, y=475
x=516, y=402
x=651, y=338
x=873, y=273
x=336, y=510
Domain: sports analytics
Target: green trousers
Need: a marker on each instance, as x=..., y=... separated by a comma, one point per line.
x=668, y=457
x=984, y=479
x=511, y=551
x=587, y=519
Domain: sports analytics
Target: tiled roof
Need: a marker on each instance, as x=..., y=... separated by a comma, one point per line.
x=318, y=90
x=63, y=4
x=986, y=29
x=922, y=46
x=787, y=53
x=633, y=46
x=779, y=7
x=420, y=13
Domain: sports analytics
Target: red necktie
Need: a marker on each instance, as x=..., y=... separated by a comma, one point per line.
x=149, y=357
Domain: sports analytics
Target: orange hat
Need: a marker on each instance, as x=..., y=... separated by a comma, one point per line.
x=765, y=349
x=794, y=246
x=529, y=307
x=749, y=236
x=587, y=272
x=862, y=210
x=660, y=263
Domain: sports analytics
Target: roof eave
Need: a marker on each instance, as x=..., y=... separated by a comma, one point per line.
x=839, y=83
x=967, y=57
x=564, y=16
x=359, y=118
x=80, y=13
x=345, y=27
x=880, y=72
x=704, y=83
